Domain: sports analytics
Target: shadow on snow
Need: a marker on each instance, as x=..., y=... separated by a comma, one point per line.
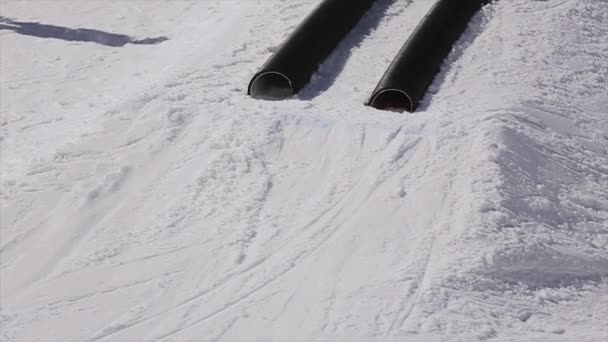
x=78, y=34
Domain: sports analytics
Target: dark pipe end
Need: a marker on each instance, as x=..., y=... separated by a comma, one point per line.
x=271, y=85
x=392, y=99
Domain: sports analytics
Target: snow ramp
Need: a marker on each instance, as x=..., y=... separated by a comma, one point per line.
x=145, y=196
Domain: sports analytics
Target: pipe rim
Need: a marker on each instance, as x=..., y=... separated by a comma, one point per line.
x=266, y=73
x=409, y=108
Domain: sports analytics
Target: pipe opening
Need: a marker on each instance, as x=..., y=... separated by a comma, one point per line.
x=393, y=100
x=271, y=86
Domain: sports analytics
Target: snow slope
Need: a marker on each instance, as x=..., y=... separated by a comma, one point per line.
x=146, y=197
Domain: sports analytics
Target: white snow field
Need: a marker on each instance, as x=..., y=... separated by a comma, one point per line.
x=145, y=196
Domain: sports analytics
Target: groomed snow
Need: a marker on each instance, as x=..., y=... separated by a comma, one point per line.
x=146, y=197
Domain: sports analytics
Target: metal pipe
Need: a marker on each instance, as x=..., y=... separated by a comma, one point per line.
x=290, y=68
x=407, y=79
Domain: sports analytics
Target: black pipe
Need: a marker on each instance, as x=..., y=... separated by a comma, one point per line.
x=290, y=68
x=412, y=71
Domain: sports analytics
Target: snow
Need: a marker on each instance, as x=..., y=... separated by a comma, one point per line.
x=146, y=197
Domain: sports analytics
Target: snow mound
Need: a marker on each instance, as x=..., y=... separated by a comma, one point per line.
x=146, y=197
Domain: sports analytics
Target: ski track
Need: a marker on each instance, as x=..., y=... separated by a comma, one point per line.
x=181, y=209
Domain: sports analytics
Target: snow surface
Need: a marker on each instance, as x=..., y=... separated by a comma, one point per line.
x=146, y=197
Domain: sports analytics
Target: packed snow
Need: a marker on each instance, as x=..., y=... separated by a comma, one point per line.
x=145, y=196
